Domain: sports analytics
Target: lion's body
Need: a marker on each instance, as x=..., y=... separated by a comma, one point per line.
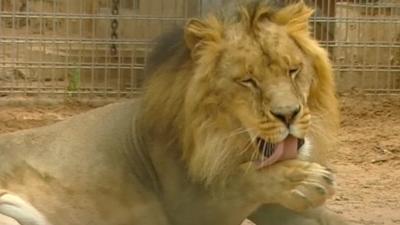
x=91, y=170
x=78, y=170
x=184, y=153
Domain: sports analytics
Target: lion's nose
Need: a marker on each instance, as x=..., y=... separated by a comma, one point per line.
x=286, y=113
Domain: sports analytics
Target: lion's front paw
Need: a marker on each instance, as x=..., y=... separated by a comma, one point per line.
x=308, y=185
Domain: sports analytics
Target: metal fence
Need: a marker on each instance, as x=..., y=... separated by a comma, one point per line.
x=81, y=47
x=365, y=45
x=99, y=47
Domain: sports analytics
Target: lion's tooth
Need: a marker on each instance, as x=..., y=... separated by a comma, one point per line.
x=300, y=143
x=270, y=150
x=265, y=147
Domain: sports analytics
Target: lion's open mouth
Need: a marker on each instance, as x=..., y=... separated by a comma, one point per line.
x=271, y=153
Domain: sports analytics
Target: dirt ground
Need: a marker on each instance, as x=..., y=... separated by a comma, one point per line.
x=367, y=160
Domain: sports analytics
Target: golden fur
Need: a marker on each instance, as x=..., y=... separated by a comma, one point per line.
x=206, y=109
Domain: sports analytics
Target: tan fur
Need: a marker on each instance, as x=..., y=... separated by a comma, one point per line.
x=188, y=144
x=223, y=50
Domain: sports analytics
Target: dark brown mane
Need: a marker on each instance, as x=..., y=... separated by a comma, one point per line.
x=169, y=49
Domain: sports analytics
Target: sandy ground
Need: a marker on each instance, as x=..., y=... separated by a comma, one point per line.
x=367, y=160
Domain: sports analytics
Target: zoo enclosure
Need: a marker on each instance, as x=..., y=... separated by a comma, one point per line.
x=99, y=47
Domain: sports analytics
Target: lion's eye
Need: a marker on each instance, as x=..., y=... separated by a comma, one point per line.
x=293, y=72
x=249, y=82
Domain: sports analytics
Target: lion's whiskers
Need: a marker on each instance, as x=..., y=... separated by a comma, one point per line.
x=248, y=145
x=253, y=155
x=238, y=132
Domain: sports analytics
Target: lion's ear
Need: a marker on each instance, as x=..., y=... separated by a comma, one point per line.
x=263, y=13
x=295, y=17
x=198, y=32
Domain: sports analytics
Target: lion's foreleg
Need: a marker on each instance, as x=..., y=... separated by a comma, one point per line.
x=295, y=184
x=18, y=209
x=278, y=215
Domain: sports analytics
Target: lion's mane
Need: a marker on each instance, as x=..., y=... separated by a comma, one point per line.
x=181, y=118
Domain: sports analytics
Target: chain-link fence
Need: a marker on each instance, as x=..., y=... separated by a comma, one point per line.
x=99, y=47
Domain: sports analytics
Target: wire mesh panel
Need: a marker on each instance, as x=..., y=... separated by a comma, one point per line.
x=80, y=47
x=363, y=39
x=366, y=45
x=99, y=47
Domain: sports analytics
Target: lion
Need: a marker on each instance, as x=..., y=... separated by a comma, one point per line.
x=237, y=113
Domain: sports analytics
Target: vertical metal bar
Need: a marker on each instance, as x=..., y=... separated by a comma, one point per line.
x=315, y=17
x=92, y=72
x=351, y=48
x=377, y=80
x=369, y=11
x=117, y=60
x=117, y=63
x=66, y=46
x=106, y=67
x=32, y=71
x=54, y=48
x=81, y=46
x=389, y=78
x=134, y=50
x=119, y=57
x=163, y=14
x=42, y=50
x=330, y=16
x=131, y=54
x=324, y=16
x=69, y=59
x=396, y=76
x=132, y=71
x=361, y=51
x=14, y=49
x=26, y=51
x=392, y=51
x=185, y=8
x=146, y=52
x=93, y=54
x=2, y=51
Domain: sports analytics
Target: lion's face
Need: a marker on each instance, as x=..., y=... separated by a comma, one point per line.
x=264, y=82
x=249, y=96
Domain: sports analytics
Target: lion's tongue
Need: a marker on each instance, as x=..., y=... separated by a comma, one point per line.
x=287, y=149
